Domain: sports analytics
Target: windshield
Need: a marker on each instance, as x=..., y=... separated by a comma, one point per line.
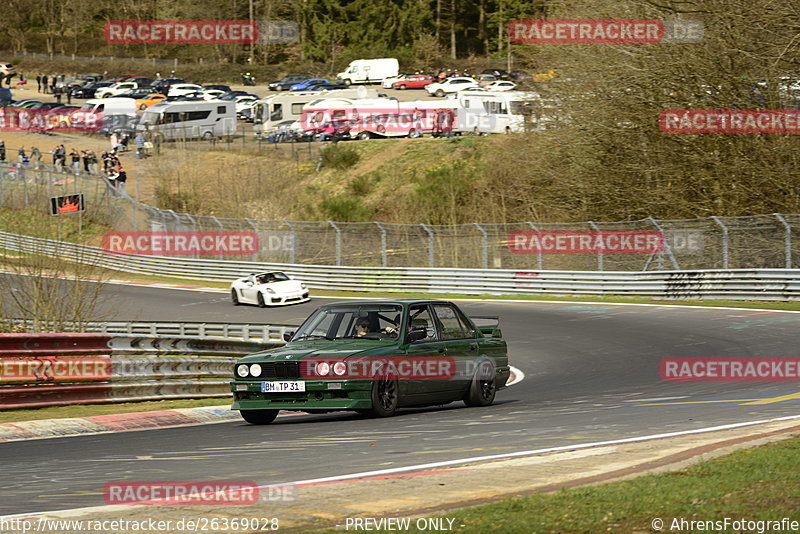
x=352, y=321
x=150, y=117
x=268, y=278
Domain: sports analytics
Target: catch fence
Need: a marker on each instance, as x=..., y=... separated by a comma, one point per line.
x=754, y=242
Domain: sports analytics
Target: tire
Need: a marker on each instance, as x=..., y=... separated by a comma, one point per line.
x=207, y=136
x=142, y=106
x=261, y=303
x=439, y=93
x=414, y=134
x=234, y=297
x=363, y=136
x=402, y=87
x=482, y=389
x=259, y=417
x=347, y=82
x=385, y=396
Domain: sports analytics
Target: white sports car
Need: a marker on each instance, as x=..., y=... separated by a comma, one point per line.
x=272, y=288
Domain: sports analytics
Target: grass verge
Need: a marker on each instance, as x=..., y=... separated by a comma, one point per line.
x=758, y=484
x=58, y=412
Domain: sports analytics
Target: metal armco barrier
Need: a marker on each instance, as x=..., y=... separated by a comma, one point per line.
x=38, y=370
x=735, y=284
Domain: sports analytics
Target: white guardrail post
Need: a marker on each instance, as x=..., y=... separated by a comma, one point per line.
x=431, y=259
x=384, y=254
x=787, y=239
x=338, y=242
x=724, y=241
x=600, y=254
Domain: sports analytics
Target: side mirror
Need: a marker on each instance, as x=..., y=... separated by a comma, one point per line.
x=288, y=335
x=416, y=334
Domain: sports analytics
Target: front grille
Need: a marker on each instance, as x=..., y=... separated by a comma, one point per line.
x=280, y=370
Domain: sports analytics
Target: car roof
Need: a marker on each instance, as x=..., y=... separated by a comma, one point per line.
x=408, y=302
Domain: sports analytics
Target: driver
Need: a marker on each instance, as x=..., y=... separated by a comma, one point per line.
x=362, y=327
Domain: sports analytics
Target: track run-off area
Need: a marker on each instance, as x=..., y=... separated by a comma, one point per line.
x=591, y=374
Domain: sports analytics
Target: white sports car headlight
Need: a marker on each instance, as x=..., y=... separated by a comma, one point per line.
x=241, y=371
x=303, y=286
x=269, y=290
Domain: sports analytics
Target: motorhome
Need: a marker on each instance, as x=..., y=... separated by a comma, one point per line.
x=369, y=71
x=273, y=110
x=484, y=112
x=377, y=117
x=190, y=120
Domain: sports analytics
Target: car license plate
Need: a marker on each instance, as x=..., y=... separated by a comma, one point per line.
x=277, y=386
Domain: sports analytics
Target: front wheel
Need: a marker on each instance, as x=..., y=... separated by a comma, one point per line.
x=234, y=297
x=401, y=87
x=439, y=93
x=385, y=396
x=347, y=82
x=261, y=303
x=363, y=136
x=482, y=389
x=259, y=417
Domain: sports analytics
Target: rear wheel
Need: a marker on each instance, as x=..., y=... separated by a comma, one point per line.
x=482, y=389
x=347, y=82
x=385, y=396
x=439, y=93
x=363, y=136
x=413, y=134
x=261, y=303
x=234, y=297
x=402, y=87
x=259, y=417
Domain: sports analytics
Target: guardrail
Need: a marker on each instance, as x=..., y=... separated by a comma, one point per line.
x=737, y=284
x=38, y=370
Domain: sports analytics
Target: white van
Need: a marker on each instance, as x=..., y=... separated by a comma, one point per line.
x=483, y=112
x=369, y=71
x=275, y=109
x=111, y=106
x=190, y=120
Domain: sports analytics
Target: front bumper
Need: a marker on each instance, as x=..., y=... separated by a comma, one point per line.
x=319, y=395
x=293, y=298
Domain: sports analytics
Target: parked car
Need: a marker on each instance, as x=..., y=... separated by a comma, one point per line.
x=245, y=102
x=5, y=96
x=499, y=74
x=89, y=90
x=500, y=85
x=451, y=85
x=162, y=86
x=179, y=89
x=388, y=82
x=286, y=83
x=24, y=104
x=412, y=81
x=211, y=94
x=45, y=105
x=149, y=100
x=326, y=87
x=306, y=84
x=191, y=97
x=115, y=89
x=233, y=95
x=374, y=357
x=223, y=88
x=272, y=288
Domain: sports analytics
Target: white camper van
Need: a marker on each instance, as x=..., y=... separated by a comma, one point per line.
x=275, y=109
x=369, y=71
x=191, y=119
x=484, y=112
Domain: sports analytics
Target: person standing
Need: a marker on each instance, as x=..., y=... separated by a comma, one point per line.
x=2, y=150
x=75, y=163
x=44, y=84
x=114, y=142
x=21, y=154
x=39, y=83
x=92, y=162
x=122, y=177
x=139, y=142
x=36, y=158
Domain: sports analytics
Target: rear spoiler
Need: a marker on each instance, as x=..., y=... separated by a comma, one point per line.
x=490, y=330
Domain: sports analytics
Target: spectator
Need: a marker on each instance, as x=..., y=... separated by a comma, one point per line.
x=2, y=150
x=119, y=176
x=139, y=142
x=85, y=158
x=92, y=162
x=114, y=142
x=75, y=163
x=44, y=84
x=39, y=84
x=36, y=157
x=21, y=154
x=157, y=142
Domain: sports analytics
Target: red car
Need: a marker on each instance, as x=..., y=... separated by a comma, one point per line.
x=413, y=81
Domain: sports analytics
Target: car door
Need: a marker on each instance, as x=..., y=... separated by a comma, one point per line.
x=461, y=342
x=425, y=389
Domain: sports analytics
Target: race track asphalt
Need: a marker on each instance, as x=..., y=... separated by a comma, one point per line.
x=589, y=372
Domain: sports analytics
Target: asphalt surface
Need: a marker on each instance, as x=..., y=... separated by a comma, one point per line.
x=589, y=369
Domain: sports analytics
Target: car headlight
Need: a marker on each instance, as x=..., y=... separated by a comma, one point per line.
x=323, y=368
x=339, y=368
x=255, y=369
x=241, y=371
x=270, y=290
x=303, y=286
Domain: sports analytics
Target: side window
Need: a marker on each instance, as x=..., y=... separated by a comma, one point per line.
x=221, y=110
x=277, y=113
x=420, y=317
x=449, y=323
x=197, y=115
x=297, y=109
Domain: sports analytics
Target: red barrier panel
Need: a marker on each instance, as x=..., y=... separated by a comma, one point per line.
x=39, y=396
x=53, y=344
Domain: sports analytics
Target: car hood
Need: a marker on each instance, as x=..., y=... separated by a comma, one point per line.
x=338, y=349
x=282, y=287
